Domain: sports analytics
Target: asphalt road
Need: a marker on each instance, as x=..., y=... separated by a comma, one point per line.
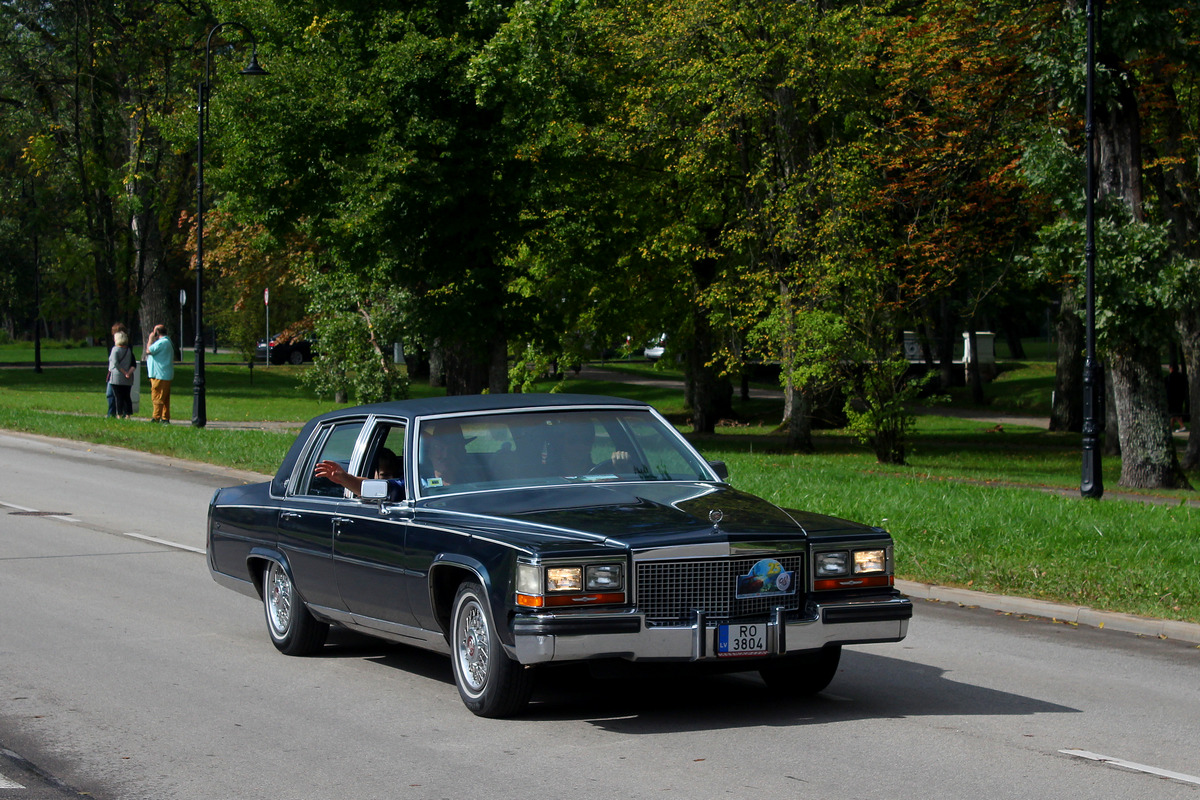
x=127, y=673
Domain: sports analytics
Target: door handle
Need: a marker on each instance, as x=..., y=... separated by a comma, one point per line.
x=289, y=516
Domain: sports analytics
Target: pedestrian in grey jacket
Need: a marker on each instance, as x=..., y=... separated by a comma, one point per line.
x=120, y=374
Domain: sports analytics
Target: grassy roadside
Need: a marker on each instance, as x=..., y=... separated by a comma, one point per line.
x=965, y=512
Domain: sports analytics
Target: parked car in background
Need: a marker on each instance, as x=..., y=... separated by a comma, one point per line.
x=513, y=532
x=655, y=349
x=285, y=349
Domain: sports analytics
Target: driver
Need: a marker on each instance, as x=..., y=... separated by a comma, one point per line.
x=575, y=442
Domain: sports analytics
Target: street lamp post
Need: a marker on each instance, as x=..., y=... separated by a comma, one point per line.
x=199, y=409
x=1092, y=482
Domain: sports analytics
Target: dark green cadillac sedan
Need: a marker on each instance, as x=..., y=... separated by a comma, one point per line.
x=516, y=531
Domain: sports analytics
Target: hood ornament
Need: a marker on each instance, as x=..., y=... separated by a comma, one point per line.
x=715, y=516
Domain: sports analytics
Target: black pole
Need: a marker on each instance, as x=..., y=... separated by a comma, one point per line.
x=1092, y=483
x=37, y=289
x=199, y=405
x=37, y=304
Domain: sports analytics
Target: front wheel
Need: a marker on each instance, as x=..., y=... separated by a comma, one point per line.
x=490, y=683
x=803, y=674
x=294, y=631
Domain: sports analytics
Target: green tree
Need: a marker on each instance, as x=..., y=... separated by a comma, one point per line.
x=383, y=158
x=1143, y=243
x=958, y=104
x=89, y=85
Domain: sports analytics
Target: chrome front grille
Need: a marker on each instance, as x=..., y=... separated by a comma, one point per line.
x=669, y=591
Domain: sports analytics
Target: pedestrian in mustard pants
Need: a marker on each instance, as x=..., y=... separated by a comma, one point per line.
x=160, y=360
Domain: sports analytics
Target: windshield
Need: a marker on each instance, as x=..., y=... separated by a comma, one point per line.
x=543, y=448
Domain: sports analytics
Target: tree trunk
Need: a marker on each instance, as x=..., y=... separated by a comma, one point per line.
x=1111, y=441
x=1067, y=411
x=974, y=377
x=797, y=411
x=1016, y=348
x=797, y=418
x=1189, y=336
x=1148, y=454
x=498, y=366
x=945, y=350
x=150, y=274
x=437, y=365
x=712, y=396
x=1148, y=458
x=466, y=370
x=155, y=193
x=926, y=334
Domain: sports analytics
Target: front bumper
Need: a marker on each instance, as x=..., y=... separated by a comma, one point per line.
x=539, y=639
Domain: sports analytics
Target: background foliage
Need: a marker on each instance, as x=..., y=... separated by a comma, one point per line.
x=506, y=187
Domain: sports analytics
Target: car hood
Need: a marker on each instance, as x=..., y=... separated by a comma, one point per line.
x=638, y=514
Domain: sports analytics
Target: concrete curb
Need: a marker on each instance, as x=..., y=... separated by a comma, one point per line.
x=1078, y=615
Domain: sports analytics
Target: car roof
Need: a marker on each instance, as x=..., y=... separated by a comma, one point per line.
x=475, y=403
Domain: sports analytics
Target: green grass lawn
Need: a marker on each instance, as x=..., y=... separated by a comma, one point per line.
x=969, y=509
x=72, y=352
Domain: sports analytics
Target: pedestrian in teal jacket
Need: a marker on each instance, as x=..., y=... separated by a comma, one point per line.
x=160, y=364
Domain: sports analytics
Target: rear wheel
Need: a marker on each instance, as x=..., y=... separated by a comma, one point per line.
x=293, y=629
x=803, y=674
x=490, y=683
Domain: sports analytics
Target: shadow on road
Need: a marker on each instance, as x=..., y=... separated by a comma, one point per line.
x=666, y=698
x=867, y=686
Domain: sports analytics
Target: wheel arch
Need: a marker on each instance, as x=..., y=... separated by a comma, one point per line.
x=256, y=565
x=446, y=574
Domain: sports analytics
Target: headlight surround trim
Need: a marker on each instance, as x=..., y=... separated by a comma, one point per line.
x=570, y=584
x=852, y=567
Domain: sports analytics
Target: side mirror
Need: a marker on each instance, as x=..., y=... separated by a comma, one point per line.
x=721, y=468
x=374, y=491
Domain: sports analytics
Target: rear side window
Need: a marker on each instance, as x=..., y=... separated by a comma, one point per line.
x=335, y=443
x=384, y=458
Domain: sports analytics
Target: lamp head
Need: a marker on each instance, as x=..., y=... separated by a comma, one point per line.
x=253, y=69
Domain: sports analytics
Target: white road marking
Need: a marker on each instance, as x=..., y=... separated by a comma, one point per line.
x=176, y=545
x=143, y=537
x=16, y=507
x=1120, y=762
x=5, y=783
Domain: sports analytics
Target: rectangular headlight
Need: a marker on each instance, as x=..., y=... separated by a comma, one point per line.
x=564, y=579
x=866, y=561
x=605, y=577
x=828, y=565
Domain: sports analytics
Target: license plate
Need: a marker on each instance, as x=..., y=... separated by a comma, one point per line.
x=742, y=640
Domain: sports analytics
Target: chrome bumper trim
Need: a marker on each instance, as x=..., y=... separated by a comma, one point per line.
x=887, y=621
